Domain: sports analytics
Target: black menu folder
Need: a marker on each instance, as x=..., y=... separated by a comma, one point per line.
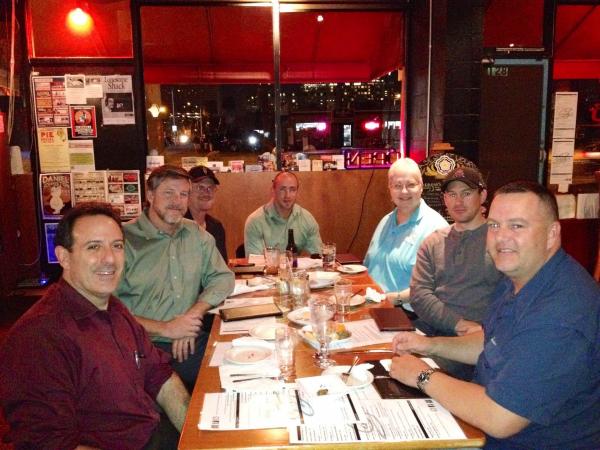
x=347, y=258
x=388, y=387
x=250, y=312
x=391, y=319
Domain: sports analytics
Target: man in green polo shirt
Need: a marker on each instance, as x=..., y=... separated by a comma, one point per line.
x=269, y=224
x=173, y=272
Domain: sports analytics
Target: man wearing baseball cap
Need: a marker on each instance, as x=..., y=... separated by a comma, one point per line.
x=454, y=277
x=202, y=199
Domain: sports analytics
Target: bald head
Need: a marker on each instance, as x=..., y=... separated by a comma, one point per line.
x=283, y=193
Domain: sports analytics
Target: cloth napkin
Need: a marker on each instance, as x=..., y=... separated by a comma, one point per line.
x=241, y=287
x=373, y=296
x=309, y=263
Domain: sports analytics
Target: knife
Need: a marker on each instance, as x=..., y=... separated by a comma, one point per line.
x=373, y=350
x=245, y=374
x=255, y=378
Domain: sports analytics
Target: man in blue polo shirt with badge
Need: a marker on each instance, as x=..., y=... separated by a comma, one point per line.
x=537, y=380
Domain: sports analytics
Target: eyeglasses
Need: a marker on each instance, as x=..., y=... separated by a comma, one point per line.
x=210, y=189
x=409, y=187
x=464, y=195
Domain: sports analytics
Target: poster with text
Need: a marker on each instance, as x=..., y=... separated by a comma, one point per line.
x=81, y=155
x=124, y=192
x=117, y=103
x=53, y=150
x=75, y=91
x=55, y=194
x=89, y=186
x=50, y=102
x=83, y=121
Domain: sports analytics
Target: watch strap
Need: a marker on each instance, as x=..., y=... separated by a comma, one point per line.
x=424, y=376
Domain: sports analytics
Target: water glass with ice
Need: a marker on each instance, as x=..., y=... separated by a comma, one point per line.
x=328, y=254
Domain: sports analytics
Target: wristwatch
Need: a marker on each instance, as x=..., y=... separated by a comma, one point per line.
x=424, y=377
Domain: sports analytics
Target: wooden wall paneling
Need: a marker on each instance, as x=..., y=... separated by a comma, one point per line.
x=334, y=198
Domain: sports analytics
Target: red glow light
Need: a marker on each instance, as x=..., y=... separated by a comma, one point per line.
x=371, y=125
x=80, y=22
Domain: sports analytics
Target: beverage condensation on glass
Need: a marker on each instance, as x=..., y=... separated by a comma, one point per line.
x=285, y=343
x=343, y=293
x=328, y=254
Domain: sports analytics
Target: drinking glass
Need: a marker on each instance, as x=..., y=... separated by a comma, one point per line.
x=285, y=343
x=271, y=260
x=343, y=293
x=322, y=310
x=328, y=254
x=299, y=287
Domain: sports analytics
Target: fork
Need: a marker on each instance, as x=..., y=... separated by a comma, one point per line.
x=346, y=375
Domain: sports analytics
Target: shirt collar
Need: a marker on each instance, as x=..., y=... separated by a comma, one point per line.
x=79, y=306
x=415, y=217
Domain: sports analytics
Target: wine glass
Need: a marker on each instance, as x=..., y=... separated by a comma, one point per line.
x=322, y=310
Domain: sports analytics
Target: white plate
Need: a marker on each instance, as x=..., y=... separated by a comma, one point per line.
x=247, y=355
x=266, y=331
x=320, y=283
x=358, y=377
x=300, y=316
x=352, y=268
x=357, y=300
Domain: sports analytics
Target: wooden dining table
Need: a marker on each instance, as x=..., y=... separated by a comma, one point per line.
x=209, y=382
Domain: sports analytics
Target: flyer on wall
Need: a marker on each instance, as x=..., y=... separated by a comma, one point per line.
x=75, y=91
x=124, y=192
x=81, y=155
x=53, y=150
x=55, y=194
x=83, y=121
x=119, y=188
x=117, y=103
x=89, y=186
x=50, y=102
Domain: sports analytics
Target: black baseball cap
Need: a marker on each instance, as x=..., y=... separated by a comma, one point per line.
x=198, y=173
x=468, y=175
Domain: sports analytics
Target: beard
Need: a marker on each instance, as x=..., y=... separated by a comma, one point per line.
x=171, y=215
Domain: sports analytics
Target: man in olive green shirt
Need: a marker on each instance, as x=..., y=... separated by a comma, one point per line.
x=173, y=272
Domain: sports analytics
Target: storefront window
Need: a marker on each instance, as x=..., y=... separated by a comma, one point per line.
x=213, y=94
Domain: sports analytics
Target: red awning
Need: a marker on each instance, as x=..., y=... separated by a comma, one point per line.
x=234, y=45
x=577, y=42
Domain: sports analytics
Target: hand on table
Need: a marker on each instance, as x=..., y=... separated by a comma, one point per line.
x=182, y=348
x=184, y=326
x=407, y=342
x=406, y=369
x=466, y=327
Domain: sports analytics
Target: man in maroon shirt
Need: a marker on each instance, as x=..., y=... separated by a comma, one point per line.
x=77, y=370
